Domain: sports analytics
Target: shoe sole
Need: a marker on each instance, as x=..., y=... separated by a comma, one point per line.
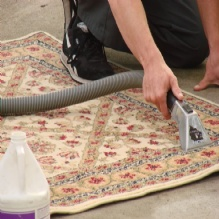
x=73, y=74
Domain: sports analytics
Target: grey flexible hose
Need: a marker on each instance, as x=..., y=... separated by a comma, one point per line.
x=70, y=96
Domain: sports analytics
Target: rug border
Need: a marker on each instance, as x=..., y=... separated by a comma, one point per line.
x=132, y=195
x=135, y=194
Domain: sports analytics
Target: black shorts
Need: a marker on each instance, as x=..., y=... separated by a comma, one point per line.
x=175, y=25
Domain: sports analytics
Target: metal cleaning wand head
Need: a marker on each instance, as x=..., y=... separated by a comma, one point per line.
x=192, y=133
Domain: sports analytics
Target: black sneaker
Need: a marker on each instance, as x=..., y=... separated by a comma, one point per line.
x=83, y=55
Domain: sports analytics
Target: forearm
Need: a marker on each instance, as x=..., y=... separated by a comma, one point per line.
x=132, y=23
x=209, y=11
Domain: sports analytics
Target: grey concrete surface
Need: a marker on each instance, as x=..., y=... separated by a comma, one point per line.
x=197, y=200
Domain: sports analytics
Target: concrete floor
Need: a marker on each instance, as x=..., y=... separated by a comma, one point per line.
x=197, y=200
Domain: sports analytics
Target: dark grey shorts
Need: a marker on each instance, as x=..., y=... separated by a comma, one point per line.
x=174, y=24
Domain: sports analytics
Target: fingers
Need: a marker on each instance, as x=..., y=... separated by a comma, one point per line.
x=201, y=86
x=176, y=89
x=164, y=110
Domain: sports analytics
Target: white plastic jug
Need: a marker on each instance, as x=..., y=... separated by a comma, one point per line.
x=24, y=190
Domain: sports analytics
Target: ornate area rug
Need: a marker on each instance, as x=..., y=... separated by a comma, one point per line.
x=112, y=148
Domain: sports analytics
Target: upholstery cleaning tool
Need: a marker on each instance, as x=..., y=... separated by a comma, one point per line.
x=191, y=132
x=24, y=190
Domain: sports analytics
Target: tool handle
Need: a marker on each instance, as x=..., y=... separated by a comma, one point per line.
x=171, y=99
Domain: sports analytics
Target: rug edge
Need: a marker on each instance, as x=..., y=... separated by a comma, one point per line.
x=30, y=34
x=142, y=192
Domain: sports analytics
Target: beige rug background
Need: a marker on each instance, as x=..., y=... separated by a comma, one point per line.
x=112, y=148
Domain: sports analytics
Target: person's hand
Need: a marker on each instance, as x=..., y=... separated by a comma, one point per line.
x=211, y=76
x=158, y=80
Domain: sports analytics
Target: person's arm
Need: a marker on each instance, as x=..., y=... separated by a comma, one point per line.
x=209, y=11
x=131, y=19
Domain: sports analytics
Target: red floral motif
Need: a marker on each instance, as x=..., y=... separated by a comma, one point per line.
x=17, y=127
x=136, y=186
x=97, y=133
x=157, y=153
x=130, y=127
x=96, y=180
x=122, y=190
x=88, y=161
x=43, y=122
x=134, y=141
x=63, y=137
x=127, y=176
x=151, y=183
x=110, y=154
x=70, y=190
x=2, y=81
x=33, y=83
x=130, y=160
x=72, y=143
x=35, y=73
x=42, y=88
x=14, y=85
x=103, y=167
x=124, y=134
x=20, y=68
x=18, y=77
x=85, y=118
x=60, y=177
x=152, y=142
x=153, y=135
x=106, y=105
x=183, y=161
x=5, y=54
x=117, y=164
x=10, y=94
x=41, y=147
x=165, y=179
x=103, y=114
x=179, y=175
x=121, y=121
x=135, y=151
x=207, y=106
x=121, y=110
x=85, y=111
x=153, y=167
x=208, y=153
x=47, y=160
x=207, y=165
x=48, y=55
x=212, y=122
x=69, y=154
x=91, y=151
x=33, y=48
x=101, y=122
x=213, y=138
x=193, y=171
x=94, y=142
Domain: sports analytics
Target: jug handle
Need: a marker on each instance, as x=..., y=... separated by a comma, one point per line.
x=21, y=165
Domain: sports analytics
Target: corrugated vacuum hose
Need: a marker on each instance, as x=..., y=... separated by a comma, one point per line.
x=69, y=96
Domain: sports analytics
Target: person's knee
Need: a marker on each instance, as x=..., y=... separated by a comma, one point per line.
x=197, y=52
x=191, y=54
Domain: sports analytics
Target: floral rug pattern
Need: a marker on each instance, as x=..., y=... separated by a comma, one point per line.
x=112, y=148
